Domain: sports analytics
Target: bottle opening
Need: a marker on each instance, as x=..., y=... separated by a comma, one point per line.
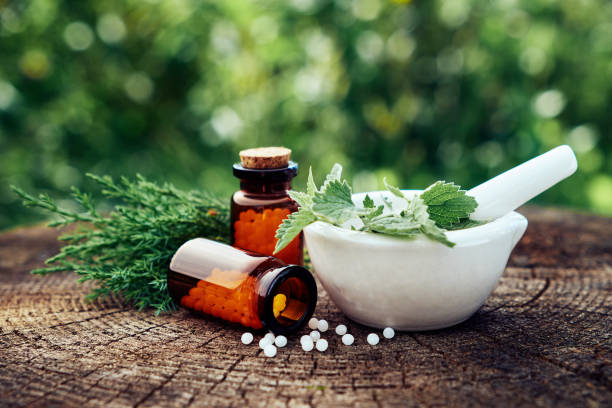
x=290, y=300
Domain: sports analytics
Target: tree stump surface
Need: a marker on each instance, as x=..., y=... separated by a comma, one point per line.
x=542, y=339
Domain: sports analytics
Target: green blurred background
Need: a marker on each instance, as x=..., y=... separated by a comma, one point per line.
x=414, y=91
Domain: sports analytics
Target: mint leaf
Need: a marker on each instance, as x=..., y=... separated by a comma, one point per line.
x=335, y=203
x=368, y=202
x=292, y=226
x=447, y=204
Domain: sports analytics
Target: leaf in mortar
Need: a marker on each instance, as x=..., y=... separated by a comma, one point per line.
x=292, y=226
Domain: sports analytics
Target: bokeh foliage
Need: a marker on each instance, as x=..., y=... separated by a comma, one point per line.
x=414, y=91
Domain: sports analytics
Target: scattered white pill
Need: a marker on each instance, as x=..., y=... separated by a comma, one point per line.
x=321, y=345
x=341, y=330
x=247, y=338
x=348, y=339
x=322, y=325
x=388, y=333
x=280, y=341
x=264, y=342
x=373, y=339
x=271, y=337
x=315, y=335
x=270, y=350
x=313, y=323
x=304, y=338
x=308, y=345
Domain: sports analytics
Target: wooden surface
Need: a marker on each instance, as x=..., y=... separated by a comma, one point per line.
x=542, y=339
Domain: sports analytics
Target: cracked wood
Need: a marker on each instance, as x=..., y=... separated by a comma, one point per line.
x=543, y=338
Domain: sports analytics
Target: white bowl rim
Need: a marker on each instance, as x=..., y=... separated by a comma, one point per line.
x=509, y=223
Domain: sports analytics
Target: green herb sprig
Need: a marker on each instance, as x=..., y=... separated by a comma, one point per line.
x=442, y=206
x=128, y=251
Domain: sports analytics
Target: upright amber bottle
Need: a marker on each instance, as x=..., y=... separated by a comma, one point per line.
x=262, y=203
x=254, y=290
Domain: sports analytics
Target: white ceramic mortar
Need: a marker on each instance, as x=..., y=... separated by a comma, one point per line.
x=420, y=284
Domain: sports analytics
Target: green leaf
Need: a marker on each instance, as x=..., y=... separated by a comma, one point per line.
x=417, y=209
x=303, y=199
x=396, y=191
x=466, y=223
x=368, y=202
x=400, y=226
x=371, y=213
x=292, y=226
x=311, y=187
x=334, y=175
x=335, y=204
x=447, y=204
x=432, y=231
x=388, y=203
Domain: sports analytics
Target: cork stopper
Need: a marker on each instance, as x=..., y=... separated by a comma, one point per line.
x=265, y=157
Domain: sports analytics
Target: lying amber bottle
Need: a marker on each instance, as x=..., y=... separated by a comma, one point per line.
x=257, y=291
x=263, y=202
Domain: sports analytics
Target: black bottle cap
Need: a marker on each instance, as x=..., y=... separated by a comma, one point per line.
x=280, y=174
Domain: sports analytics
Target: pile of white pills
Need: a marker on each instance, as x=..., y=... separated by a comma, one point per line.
x=270, y=343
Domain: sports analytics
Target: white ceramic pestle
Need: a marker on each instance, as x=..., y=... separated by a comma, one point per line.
x=506, y=192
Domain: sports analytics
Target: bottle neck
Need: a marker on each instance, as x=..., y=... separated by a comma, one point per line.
x=287, y=297
x=265, y=188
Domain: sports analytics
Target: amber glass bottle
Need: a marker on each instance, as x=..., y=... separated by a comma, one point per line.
x=238, y=286
x=260, y=206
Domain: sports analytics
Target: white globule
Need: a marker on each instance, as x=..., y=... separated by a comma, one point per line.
x=264, y=342
x=322, y=325
x=271, y=337
x=348, y=339
x=247, y=338
x=341, y=330
x=308, y=345
x=388, y=333
x=270, y=350
x=315, y=335
x=304, y=338
x=321, y=345
x=373, y=339
x=313, y=323
x=280, y=341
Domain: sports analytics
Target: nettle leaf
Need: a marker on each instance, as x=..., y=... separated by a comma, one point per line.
x=400, y=226
x=335, y=203
x=368, y=202
x=334, y=175
x=292, y=226
x=418, y=210
x=395, y=190
x=311, y=187
x=447, y=204
x=303, y=199
x=432, y=231
x=371, y=213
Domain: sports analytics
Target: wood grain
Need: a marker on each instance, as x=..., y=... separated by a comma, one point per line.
x=542, y=339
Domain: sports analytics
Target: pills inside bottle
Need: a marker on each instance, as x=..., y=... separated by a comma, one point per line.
x=242, y=287
x=263, y=202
